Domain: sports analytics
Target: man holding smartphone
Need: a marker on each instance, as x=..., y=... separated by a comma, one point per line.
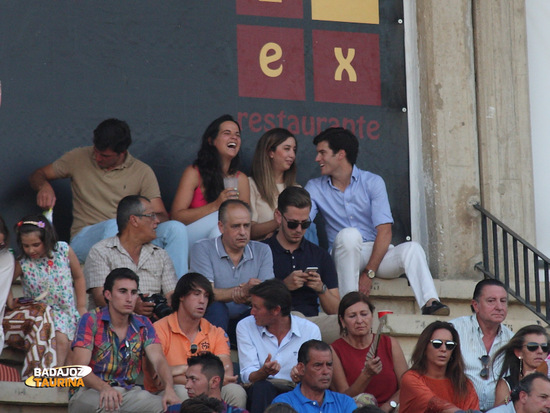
x=306, y=269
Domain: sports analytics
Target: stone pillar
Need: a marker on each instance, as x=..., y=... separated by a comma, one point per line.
x=449, y=135
x=504, y=134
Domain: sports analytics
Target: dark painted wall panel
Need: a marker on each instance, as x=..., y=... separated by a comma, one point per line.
x=168, y=68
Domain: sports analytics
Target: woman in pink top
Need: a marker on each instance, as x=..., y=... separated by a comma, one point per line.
x=201, y=189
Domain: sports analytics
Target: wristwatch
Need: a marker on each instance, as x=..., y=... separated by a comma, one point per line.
x=393, y=404
x=324, y=290
x=371, y=274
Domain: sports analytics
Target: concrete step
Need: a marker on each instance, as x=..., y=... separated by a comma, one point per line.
x=18, y=398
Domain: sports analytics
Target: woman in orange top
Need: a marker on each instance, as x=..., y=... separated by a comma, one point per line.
x=436, y=382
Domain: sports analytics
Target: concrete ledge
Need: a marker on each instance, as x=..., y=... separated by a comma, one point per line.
x=18, y=393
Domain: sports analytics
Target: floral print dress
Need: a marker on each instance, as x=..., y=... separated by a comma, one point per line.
x=53, y=275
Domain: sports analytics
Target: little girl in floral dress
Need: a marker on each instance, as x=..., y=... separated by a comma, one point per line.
x=51, y=273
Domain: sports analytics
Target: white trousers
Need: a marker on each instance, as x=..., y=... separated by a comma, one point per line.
x=351, y=255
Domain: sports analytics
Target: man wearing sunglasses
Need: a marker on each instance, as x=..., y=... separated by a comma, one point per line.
x=482, y=334
x=101, y=175
x=186, y=333
x=355, y=206
x=293, y=255
x=531, y=396
x=132, y=248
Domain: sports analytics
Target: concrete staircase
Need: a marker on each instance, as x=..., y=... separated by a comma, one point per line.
x=406, y=323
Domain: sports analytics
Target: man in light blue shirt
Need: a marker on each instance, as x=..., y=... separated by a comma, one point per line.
x=268, y=343
x=312, y=394
x=355, y=206
x=232, y=263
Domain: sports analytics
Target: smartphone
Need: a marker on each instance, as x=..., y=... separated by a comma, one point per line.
x=312, y=269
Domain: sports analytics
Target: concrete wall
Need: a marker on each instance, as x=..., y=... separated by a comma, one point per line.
x=475, y=134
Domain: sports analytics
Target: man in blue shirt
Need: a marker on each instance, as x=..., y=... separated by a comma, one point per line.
x=355, y=206
x=312, y=394
x=232, y=263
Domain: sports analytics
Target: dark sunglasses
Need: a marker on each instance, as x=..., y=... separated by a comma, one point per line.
x=449, y=345
x=532, y=346
x=293, y=224
x=484, y=373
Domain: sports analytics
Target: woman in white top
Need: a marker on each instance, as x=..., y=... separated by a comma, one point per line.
x=273, y=169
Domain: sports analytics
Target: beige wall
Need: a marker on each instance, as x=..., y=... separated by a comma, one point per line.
x=474, y=117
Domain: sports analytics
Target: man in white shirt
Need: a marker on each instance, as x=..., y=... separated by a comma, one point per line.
x=268, y=342
x=482, y=334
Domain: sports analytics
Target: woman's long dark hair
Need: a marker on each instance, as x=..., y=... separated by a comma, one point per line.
x=455, y=366
x=510, y=362
x=208, y=160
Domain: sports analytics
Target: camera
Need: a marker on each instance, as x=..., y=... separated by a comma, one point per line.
x=162, y=309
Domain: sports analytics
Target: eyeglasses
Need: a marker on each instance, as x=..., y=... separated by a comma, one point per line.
x=449, y=345
x=293, y=224
x=194, y=348
x=152, y=215
x=532, y=346
x=484, y=373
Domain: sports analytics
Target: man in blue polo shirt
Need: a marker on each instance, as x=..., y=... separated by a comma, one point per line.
x=312, y=394
x=232, y=263
x=355, y=206
x=293, y=255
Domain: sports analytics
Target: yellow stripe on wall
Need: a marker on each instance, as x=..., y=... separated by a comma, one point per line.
x=349, y=11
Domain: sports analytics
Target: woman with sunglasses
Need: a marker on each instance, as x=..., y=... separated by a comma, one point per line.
x=525, y=353
x=353, y=372
x=436, y=381
x=273, y=169
x=213, y=178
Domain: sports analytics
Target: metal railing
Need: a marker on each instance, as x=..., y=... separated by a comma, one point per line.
x=522, y=268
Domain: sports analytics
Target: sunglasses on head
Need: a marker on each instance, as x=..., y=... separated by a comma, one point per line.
x=484, y=373
x=449, y=345
x=532, y=346
x=293, y=224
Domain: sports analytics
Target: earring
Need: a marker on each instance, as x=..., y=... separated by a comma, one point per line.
x=345, y=331
x=520, y=366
